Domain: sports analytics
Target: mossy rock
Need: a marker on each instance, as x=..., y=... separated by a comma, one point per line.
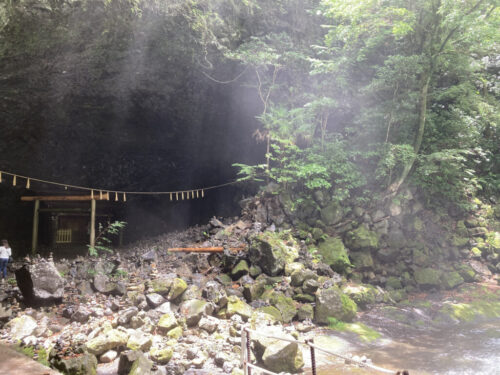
x=85, y=364
x=362, y=260
x=177, y=288
x=167, y=322
x=458, y=241
x=238, y=307
x=332, y=303
x=306, y=311
x=363, y=294
x=427, y=278
x=305, y=298
x=107, y=341
x=393, y=283
x=273, y=311
x=272, y=251
x=362, y=239
x=451, y=279
x=292, y=267
x=175, y=333
x=240, y=269
x=332, y=214
x=476, y=253
x=286, y=306
x=161, y=286
x=334, y=253
x=467, y=272
x=162, y=356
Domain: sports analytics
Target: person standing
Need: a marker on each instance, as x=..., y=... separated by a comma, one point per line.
x=5, y=253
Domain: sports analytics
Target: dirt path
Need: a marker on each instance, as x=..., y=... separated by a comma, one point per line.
x=14, y=363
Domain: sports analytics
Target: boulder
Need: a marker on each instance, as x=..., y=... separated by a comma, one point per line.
x=112, y=339
x=21, y=327
x=176, y=289
x=362, y=239
x=278, y=355
x=102, y=284
x=451, y=279
x=427, y=278
x=127, y=358
x=331, y=214
x=139, y=340
x=362, y=260
x=332, y=303
x=154, y=299
x=193, y=310
x=167, y=322
x=235, y=306
x=161, y=356
x=285, y=305
x=272, y=251
x=40, y=283
x=334, y=253
x=240, y=269
x=126, y=315
x=109, y=356
x=83, y=364
x=215, y=292
x=81, y=315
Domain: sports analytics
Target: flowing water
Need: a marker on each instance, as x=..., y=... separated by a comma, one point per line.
x=462, y=349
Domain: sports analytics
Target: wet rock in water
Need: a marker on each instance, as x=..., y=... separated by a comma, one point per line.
x=40, y=283
x=110, y=340
x=82, y=364
x=332, y=303
x=21, y=327
x=278, y=355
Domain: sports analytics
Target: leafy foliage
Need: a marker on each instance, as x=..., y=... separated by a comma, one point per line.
x=103, y=240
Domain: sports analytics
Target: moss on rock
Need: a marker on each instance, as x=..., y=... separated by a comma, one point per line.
x=334, y=253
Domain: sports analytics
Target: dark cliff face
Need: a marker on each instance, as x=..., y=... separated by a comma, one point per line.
x=106, y=97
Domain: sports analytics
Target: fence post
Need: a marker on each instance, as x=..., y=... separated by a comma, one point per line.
x=313, y=356
x=244, y=351
x=249, y=353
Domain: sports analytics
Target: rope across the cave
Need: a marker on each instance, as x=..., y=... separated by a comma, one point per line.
x=174, y=195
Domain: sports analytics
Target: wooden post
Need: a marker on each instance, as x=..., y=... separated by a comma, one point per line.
x=34, y=243
x=92, y=222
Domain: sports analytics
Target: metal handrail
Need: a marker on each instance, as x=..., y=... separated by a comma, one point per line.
x=246, y=348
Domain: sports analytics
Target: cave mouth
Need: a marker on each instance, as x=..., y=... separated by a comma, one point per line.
x=99, y=96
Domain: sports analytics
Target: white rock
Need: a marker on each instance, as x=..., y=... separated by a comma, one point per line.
x=109, y=356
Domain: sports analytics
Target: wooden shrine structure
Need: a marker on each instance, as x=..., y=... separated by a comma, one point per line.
x=73, y=217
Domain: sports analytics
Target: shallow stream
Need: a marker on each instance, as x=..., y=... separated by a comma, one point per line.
x=462, y=349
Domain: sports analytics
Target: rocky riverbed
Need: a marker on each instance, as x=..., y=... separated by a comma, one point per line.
x=145, y=310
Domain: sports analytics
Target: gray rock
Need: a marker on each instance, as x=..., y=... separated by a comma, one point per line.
x=154, y=299
x=125, y=316
x=193, y=311
x=81, y=315
x=75, y=365
x=127, y=358
x=21, y=327
x=332, y=303
x=40, y=283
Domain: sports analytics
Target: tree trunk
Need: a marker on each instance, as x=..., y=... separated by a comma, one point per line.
x=424, y=90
